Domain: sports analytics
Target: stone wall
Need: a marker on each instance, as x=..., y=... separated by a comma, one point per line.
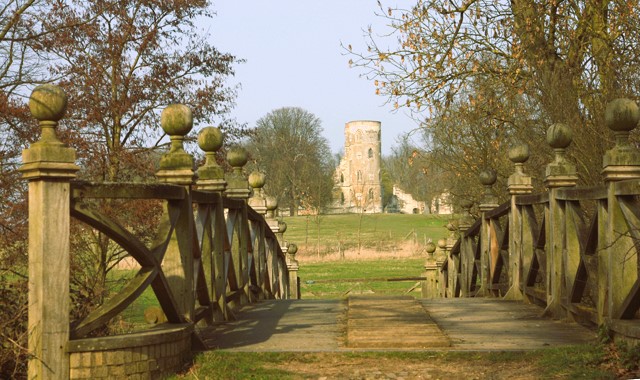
x=150, y=354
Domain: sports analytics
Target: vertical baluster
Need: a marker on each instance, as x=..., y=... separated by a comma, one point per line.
x=49, y=166
x=467, y=254
x=238, y=188
x=176, y=167
x=211, y=179
x=517, y=184
x=559, y=173
x=622, y=162
x=259, y=204
x=429, y=285
x=487, y=179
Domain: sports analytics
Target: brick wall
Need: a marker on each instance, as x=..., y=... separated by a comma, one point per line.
x=144, y=355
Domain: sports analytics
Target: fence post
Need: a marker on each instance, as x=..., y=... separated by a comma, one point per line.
x=622, y=162
x=518, y=183
x=48, y=165
x=452, y=262
x=467, y=254
x=429, y=285
x=559, y=173
x=176, y=167
x=259, y=204
x=238, y=188
x=292, y=267
x=211, y=179
x=487, y=179
x=442, y=276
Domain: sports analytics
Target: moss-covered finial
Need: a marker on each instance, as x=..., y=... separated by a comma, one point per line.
x=487, y=178
x=176, y=166
x=210, y=174
x=430, y=248
x=559, y=137
x=237, y=184
x=48, y=104
x=622, y=116
x=519, y=154
x=623, y=160
x=176, y=121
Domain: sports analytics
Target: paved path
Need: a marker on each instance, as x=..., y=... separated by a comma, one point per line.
x=321, y=325
x=491, y=324
x=391, y=323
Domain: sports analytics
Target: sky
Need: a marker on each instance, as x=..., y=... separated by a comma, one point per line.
x=294, y=59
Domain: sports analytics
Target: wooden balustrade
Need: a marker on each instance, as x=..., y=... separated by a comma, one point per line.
x=573, y=251
x=212, y=252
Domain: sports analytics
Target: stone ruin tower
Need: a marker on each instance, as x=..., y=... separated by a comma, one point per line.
x=357, y=178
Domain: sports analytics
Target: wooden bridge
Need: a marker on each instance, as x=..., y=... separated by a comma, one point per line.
x=225, y=277
x=393, y=324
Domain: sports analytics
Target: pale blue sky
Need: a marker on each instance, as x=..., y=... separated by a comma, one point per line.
x=293, y=58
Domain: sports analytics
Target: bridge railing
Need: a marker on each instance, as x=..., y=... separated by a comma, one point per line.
x=215, y=249
x=571, y=250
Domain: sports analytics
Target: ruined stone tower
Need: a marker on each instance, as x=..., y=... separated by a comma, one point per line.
x=357, y=178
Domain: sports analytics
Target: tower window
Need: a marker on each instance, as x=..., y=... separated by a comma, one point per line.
x=370, y=153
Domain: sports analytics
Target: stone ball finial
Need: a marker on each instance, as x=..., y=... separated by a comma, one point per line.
x=257, y=179
x=442, y=243
x=282, y=227
x=48, y=102
x=237, y=157
x=272, y=203
x=466, y=204
x=451, y=227
x=292, y=249
x=430, y=247
x=621, y=115
x=176, y=120
x=210, y=139
x=488, y=177
x=559, y=136
x=519, y=153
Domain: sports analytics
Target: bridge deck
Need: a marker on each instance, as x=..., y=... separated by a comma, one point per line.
x=378, y=324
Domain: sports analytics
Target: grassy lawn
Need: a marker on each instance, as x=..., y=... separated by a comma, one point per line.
x=584, y=362
x=336, y=279
x=328, y=233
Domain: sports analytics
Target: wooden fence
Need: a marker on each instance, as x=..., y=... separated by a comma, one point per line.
x=215, y=250
x=572, y=250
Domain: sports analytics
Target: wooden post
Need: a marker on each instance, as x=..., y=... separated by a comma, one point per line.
x=487, y=179
x=559, y=173
x=176, y=167
x=453, y=261
x=440, y=259
x=518, y=184
x=292, y=267
x=259, y=204
x=238, y=188
x=621, y=257
x=272, y=258
x=211, y=178
x=49, y=166
x=430, y=285
x=467, y=254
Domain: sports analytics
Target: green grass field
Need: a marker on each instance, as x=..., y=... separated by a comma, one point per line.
x=337, y=279
x=382, y=232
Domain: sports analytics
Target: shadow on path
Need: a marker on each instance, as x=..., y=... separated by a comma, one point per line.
x=280, y=325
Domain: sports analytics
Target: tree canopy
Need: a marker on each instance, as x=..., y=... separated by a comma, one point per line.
x=288, y=146
x=481, y=75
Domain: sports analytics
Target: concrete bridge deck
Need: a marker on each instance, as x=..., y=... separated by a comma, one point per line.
x=392, y=323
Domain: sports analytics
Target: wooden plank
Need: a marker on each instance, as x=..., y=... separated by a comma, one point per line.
x=530, y=200
x=391, y=322
x=81, y=189
x=582, y=193
x=499, y=211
